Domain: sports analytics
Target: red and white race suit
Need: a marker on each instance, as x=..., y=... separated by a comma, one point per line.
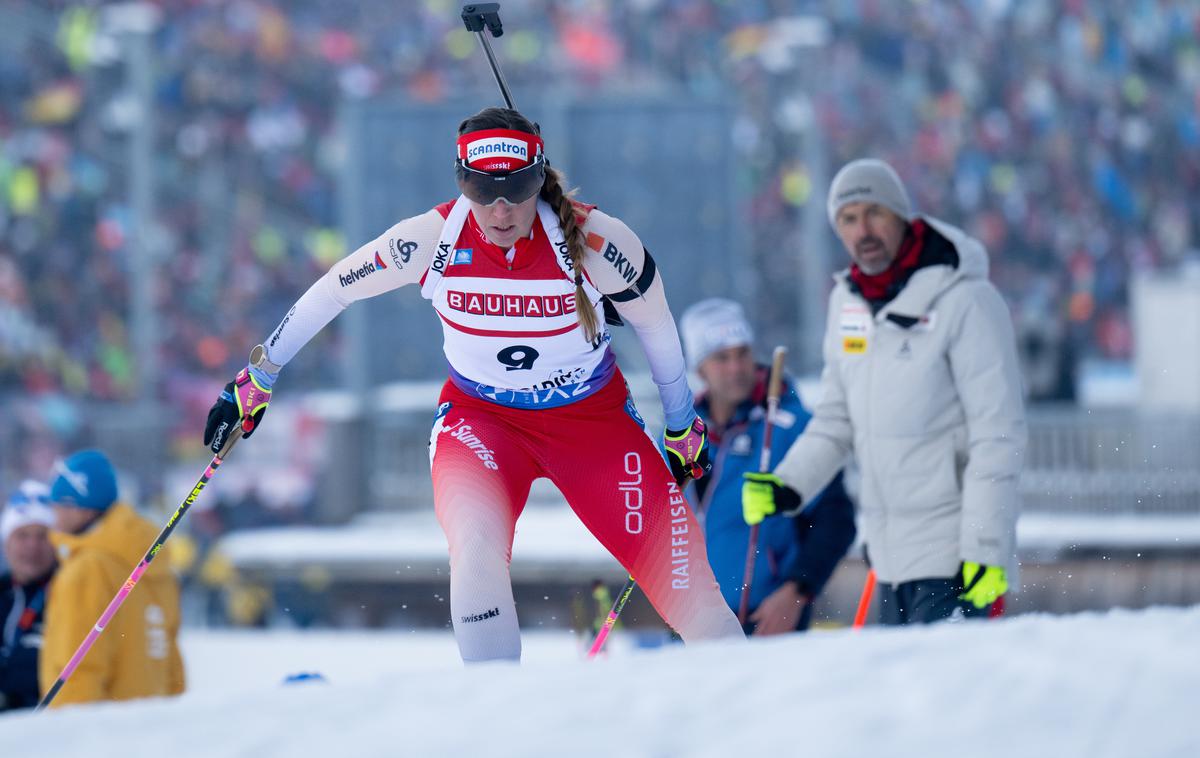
x=528, y=396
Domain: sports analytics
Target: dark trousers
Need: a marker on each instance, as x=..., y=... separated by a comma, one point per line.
x=924, y=601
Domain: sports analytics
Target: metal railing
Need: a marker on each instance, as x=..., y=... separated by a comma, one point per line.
x=1111, y=461
x=1096, y=462
x=1078, y=461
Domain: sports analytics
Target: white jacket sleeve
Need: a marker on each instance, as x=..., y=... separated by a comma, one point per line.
x=398, y=257
x=619, y=266
x=827, y=442
x=983, y=360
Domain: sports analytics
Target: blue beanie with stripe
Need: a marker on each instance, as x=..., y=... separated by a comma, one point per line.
x=85, y=480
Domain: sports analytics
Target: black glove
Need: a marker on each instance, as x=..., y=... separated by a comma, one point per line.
x=241, y=405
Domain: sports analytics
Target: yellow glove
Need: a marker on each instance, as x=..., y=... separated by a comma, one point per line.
x=764, y=495
x=983, y=584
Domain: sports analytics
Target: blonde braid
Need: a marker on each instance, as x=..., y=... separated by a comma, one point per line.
x=552, y=192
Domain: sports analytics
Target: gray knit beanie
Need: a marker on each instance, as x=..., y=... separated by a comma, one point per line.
x=868, y=180
x=711, y=325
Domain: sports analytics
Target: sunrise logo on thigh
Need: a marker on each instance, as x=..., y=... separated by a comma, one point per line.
x=462, y=432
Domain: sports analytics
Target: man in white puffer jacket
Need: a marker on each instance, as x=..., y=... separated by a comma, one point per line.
x=921, y=385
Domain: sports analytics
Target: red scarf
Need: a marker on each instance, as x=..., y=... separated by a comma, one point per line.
x=879, y=286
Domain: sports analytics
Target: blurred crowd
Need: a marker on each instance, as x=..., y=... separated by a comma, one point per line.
x=1064, y=134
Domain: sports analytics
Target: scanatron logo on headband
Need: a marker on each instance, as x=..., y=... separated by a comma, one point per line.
x=494, y=151
x=498, y=149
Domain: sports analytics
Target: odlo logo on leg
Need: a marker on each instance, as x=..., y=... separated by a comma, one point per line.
x=631, y=488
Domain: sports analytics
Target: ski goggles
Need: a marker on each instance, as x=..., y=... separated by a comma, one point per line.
x=514, y=187
x=495, y=164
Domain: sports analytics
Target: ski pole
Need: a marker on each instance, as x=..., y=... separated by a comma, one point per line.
x=138, y=570
x=607, y=626
x=864, y=601
x=774, y=390
x=487, y=15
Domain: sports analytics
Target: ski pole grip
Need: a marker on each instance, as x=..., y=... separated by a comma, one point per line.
x=775, y=387
x=487, y=15
x=480, y=15
x=233, y=438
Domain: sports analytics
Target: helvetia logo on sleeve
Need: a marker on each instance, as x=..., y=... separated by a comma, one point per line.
x=362, y=272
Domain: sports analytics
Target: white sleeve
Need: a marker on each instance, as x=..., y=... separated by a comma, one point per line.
x=822, y=449
x=654, y=325
x=315, y=308
x=983, y=359
x=399, y=257
x=620, y=267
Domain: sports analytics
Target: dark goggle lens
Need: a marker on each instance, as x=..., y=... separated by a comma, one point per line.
x=514, y=187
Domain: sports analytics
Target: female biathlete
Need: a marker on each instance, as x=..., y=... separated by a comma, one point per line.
x=518, y=273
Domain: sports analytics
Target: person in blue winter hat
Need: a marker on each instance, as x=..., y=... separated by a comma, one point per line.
x=85, y=486
x=796, y=556
x=99, y=541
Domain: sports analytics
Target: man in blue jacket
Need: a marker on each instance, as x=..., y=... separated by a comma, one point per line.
x=796, y=556
x=24, y=526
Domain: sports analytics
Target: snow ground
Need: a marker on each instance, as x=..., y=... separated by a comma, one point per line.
x=1118, y=684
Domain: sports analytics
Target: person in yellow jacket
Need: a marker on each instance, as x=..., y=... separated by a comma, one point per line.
x=99, y=541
